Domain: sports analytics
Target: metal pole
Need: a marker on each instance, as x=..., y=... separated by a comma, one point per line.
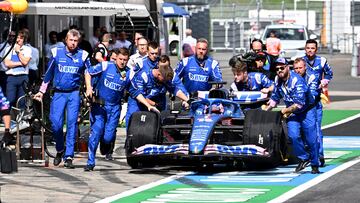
x=233, y=29
x=258, y=15
x=331, y=31
x=307, y=13
x=354, y=63
x=283, y=10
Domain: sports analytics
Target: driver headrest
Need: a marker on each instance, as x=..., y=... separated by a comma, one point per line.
x=219, y=93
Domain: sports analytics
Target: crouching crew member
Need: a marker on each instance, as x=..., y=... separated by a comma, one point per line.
x=106, y=108
x=153, y=84
x=252, y=81
x=299, y=112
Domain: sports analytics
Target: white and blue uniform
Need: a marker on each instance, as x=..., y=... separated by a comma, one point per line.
x=65, y=69
x=146, y=84
x=105, y=118
x=145, y=66
x=255, y=82
x=322, y=70
x=295, y=91
x=17, y=76
x=4, y=103
x=196, y=74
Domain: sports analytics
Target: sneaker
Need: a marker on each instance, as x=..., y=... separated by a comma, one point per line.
x=315, y=170
x=68, y=163
x=303, y=164
x=322, y=161
x=89, y=168
x=58, y=158
x=109, y=157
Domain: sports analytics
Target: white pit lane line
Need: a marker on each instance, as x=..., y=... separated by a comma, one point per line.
x=143, y=187
x=282, y=198
x=292, y=193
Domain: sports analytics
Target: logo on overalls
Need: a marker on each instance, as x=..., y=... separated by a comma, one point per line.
x=261, y=139
x=143, y=118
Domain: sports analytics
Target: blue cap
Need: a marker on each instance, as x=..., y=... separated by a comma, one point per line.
x=281, y=60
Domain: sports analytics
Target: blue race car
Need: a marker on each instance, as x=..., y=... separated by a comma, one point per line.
x=219, y=128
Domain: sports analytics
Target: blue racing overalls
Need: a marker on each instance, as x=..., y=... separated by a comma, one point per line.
x=65, y=69
x=104, y=117
x=295, y=91
x=196, y=73
x=322, y=69
x=256, y=82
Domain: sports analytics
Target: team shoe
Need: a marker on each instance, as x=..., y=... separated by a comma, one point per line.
x=58, y=158
x=303, y=164
x=315, y=170
x=89, y=168
x=109, y=157
x=322, y=161
x=68, y=163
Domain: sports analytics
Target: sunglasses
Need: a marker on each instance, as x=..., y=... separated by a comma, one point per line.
x=279, y=68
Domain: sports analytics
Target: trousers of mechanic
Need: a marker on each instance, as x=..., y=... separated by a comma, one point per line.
x=295, y=92
x=324, y=74
x=65, y=69
x=104, y=116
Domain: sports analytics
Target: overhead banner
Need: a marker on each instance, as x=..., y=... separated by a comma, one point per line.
x=87, y=9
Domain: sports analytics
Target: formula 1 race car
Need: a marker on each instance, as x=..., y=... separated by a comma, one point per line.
x=219, y=128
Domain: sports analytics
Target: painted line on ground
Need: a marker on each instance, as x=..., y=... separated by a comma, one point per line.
x=341, y=121
x=143, y=187
x=292, y=193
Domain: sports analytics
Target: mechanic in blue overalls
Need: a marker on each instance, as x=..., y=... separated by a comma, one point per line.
x=5, y=115
x=197, y=70
x=106, y=108
x=153, y=84
x=253, y=81
x=65, y=68
x=149, y=61
x=324, y=74
x=300, y=114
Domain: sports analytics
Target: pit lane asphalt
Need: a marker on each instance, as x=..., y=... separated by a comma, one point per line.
x=35, y=183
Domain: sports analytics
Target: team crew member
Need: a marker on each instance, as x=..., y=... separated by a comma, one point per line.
x=197, y=70
x=324, y=74
x=253, y=81
x=101, y=51
x=65, y=68
x=5, y=114
x=299, y=112
x=17, y=63
x=105, y=111
x=153, y=83
x=142, y=48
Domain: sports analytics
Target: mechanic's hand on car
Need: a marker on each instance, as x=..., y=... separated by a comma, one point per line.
x=38, y=96
x=153, y=109
x=285, y=113
x=185, y=105
x=265, y=90
x=89, y=93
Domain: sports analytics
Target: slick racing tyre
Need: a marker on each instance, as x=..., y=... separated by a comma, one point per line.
x=143, y=129
x=265, y=129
